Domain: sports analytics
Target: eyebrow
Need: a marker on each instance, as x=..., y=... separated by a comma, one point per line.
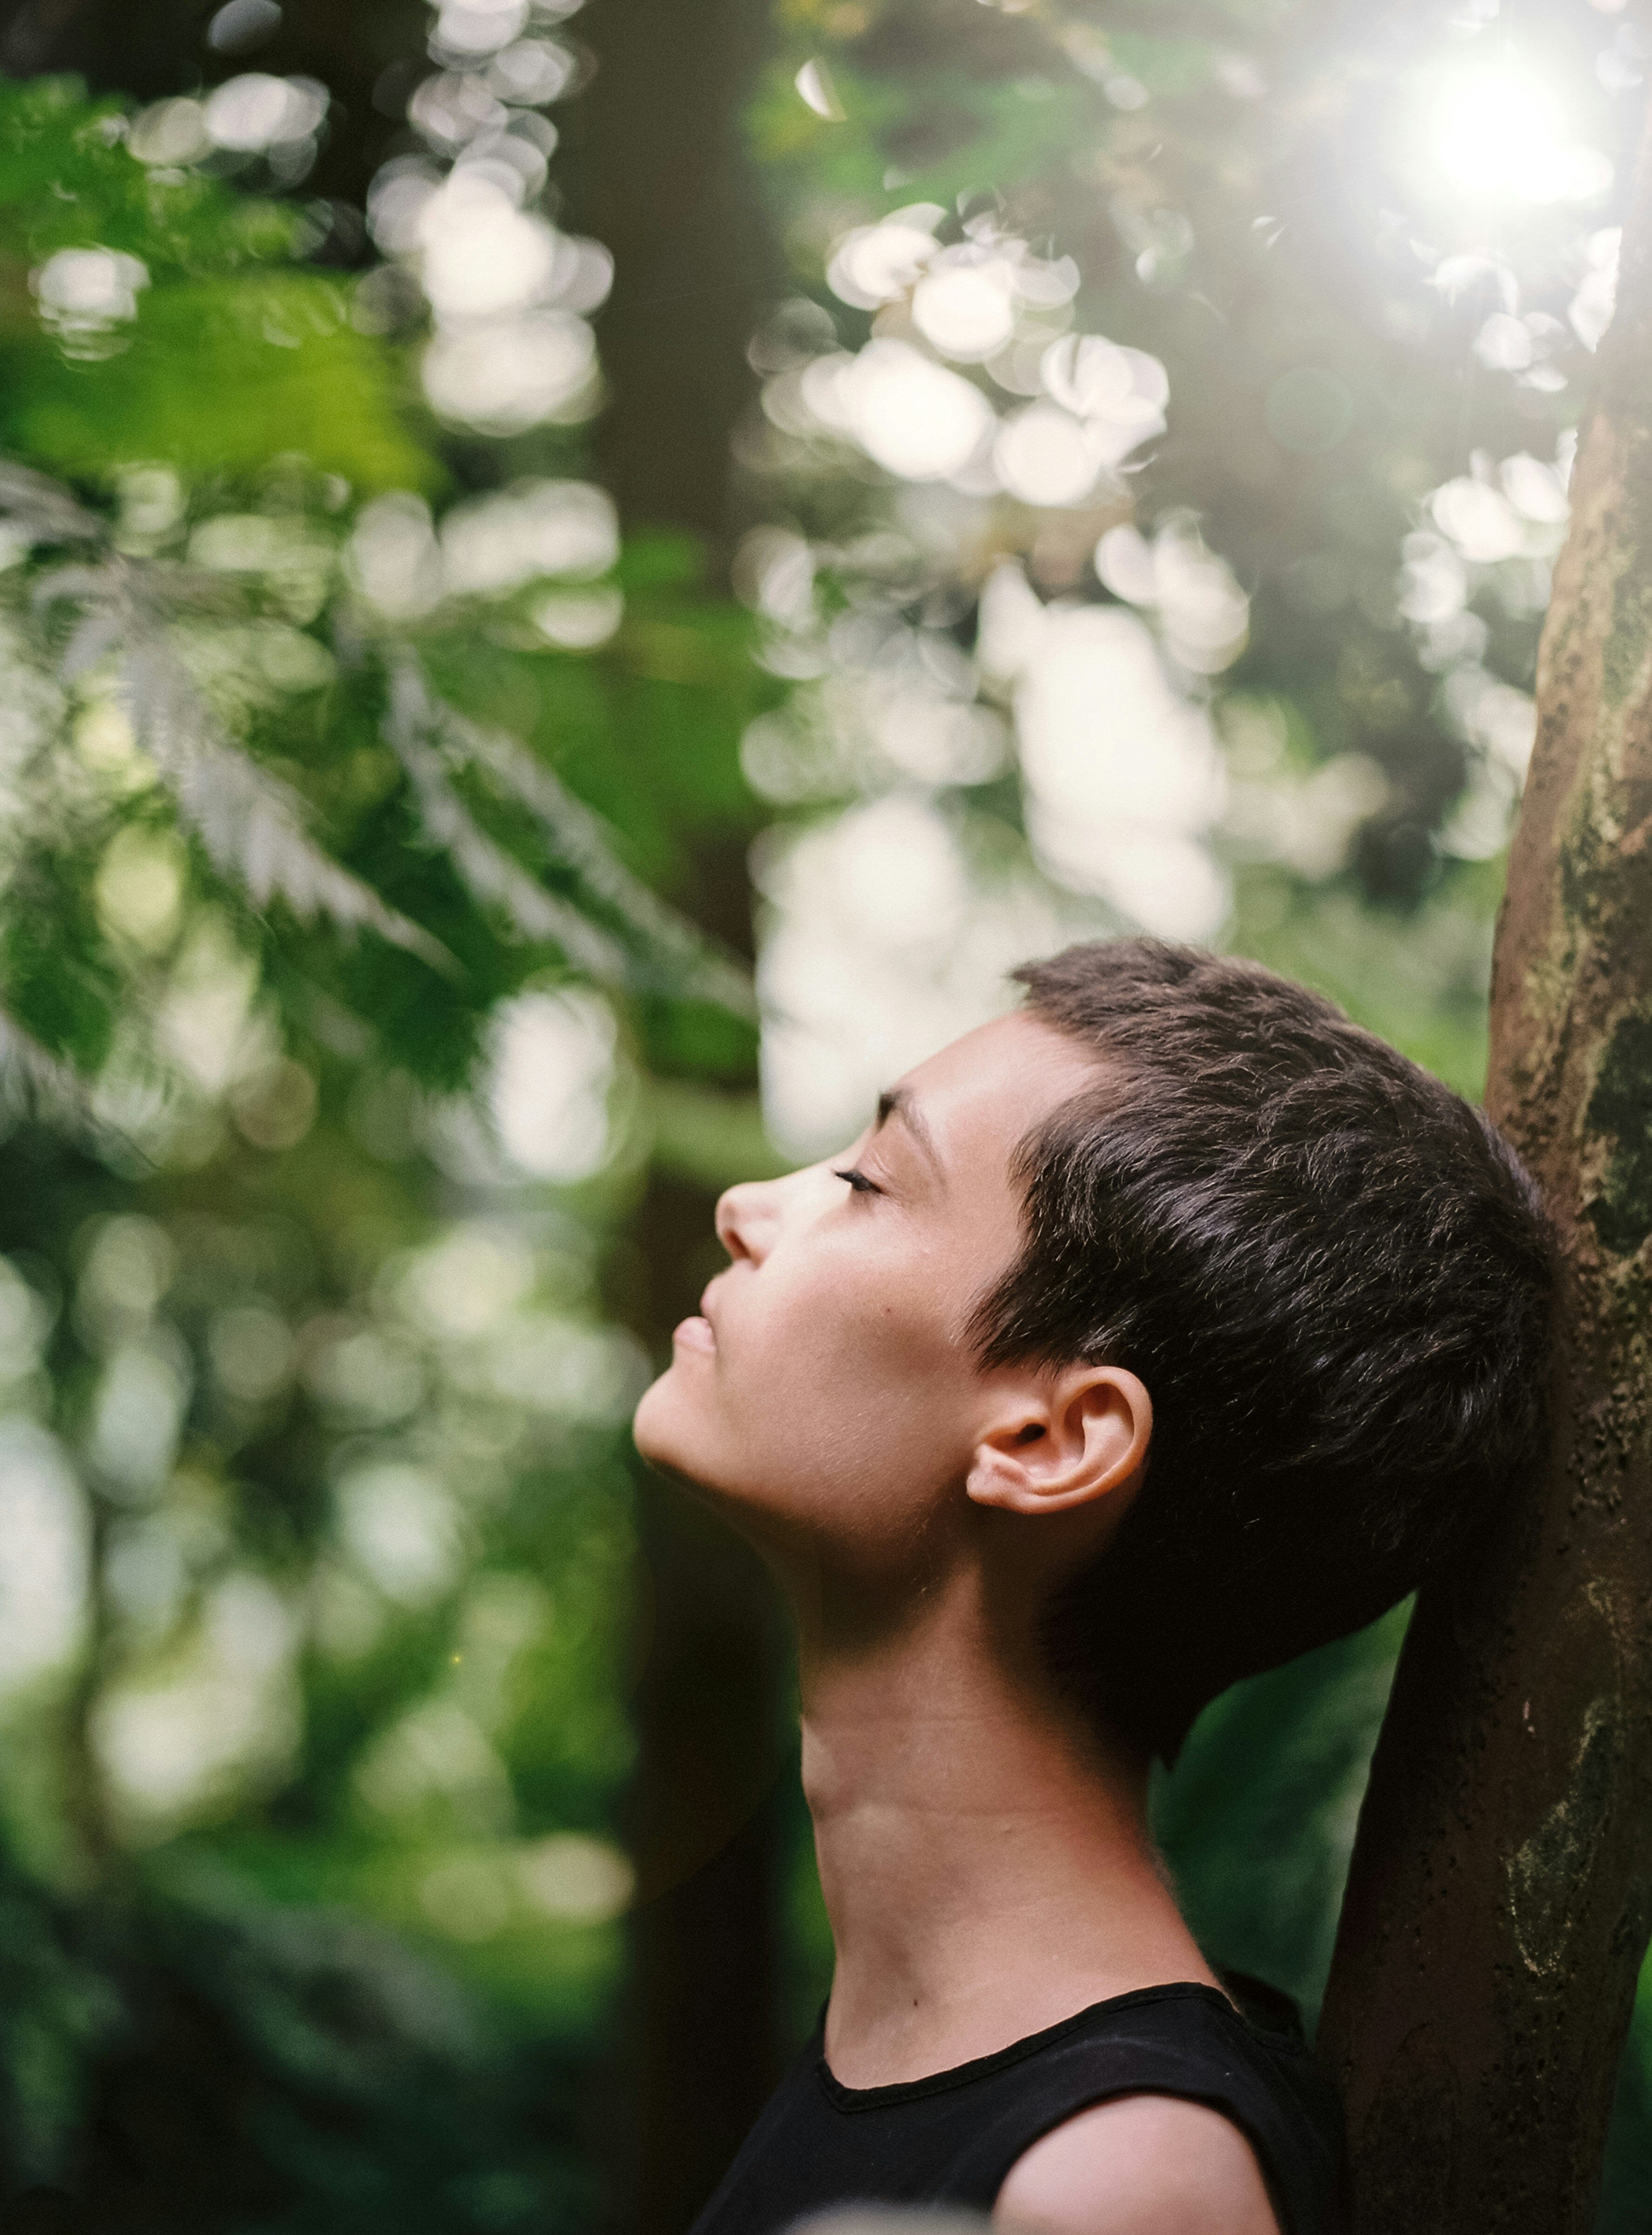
x=899, y=1102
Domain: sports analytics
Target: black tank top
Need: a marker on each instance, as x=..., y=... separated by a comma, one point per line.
x=953, y=2137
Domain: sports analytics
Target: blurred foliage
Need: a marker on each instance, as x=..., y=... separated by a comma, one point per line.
x=275, y=365
x=1332, y=498
x=1262, y=332
x=361, y=793
x=252, y=2065
x=1257, y=1816
x=323, y=819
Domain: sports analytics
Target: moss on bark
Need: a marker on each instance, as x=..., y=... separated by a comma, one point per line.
x=1500, y=1897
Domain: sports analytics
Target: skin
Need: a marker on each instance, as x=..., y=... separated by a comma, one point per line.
x=985, y=1861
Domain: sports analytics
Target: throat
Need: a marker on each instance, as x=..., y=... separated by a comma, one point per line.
x=985, y=1863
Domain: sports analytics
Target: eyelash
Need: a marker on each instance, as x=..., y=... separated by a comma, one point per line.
x=858, y=1182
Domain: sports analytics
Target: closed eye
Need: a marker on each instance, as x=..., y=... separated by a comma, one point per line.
x=857, y=1180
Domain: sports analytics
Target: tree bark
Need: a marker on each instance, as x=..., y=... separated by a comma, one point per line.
x=1501, y=1890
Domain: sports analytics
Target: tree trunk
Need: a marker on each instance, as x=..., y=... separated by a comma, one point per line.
x=659, y=177
x=659, y=136
x=1501, y=1892
x=704, y=2053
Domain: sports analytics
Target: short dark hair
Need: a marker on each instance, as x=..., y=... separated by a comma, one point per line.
x=1333, y=1275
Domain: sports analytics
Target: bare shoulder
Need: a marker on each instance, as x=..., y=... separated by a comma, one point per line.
x=1140, y=2165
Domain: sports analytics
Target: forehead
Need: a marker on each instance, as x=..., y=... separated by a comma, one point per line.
x=980, y=1094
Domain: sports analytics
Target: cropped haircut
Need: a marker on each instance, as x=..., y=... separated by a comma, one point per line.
x=1332, y=1274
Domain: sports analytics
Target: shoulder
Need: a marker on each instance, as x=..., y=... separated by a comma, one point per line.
x=1140, y=2165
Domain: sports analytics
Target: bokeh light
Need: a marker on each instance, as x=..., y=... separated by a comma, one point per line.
x=1148, y=493
x=1494, y=128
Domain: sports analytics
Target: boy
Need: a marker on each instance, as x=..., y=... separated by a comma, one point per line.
x=1147, y=1338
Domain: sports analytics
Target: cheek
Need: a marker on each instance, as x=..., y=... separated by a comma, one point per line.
x=828, y=1339
x=848, y=1419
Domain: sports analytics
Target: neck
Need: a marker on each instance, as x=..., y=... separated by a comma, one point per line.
x=986, y=1862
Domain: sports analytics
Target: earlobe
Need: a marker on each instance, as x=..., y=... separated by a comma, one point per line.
x=1063, y=1442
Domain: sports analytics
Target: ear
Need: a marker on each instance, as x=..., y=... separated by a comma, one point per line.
x=1061, y=1441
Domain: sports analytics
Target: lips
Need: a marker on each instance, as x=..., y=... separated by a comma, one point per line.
x=700, y=1333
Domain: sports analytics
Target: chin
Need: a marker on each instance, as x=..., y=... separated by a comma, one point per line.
x=674, y=1438
x=650, y=1424
x=664, y=1438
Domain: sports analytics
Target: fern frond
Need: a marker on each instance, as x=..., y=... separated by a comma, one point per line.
x=43, y=509
x=491, y=875
x=34, y=1084
x=251, y=824
x=95, y=636
x=576, y=837
x=91, y=585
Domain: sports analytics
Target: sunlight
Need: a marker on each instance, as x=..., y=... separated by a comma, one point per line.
x=1500, y=134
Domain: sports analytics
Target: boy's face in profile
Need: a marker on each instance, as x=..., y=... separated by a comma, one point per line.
x=828, y=1398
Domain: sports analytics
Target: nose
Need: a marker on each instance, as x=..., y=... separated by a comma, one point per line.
x=748, y=1219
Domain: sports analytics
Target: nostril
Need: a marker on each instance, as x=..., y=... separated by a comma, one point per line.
x=728, y=1221
x=746, y=1221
